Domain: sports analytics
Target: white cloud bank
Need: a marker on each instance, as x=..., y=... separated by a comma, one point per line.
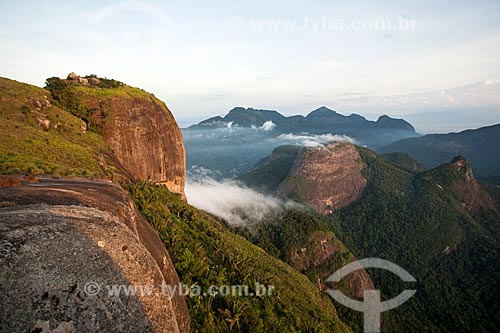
x=236, y=204
x=268, y=126
x=315, y=140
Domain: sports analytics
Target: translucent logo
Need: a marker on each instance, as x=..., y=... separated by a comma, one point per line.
x=371, y=306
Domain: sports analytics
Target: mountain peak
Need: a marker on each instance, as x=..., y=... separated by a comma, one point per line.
x=335, y=169
x=324, y=108
x=238, y=109
x=385, y=121
x=322, y=111
x=320, y=121
x=458, y=178
x=462, y=165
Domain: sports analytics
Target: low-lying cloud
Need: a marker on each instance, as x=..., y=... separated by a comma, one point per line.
x=268, y=126
x=231, y=201
x=315, y=140
x=229, y=152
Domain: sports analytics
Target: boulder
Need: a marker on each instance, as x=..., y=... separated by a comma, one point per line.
x=72, y=76
x=46, y=103
x=43, y=122
x=83, y=81
x=64, y=244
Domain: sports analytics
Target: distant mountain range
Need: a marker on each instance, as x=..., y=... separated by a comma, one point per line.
x=480, y=147
x=386, y=135
x=323, y=120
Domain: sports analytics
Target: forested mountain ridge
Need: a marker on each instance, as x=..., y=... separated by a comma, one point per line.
x=442, y=225
x=320, y=121
x=479, y=146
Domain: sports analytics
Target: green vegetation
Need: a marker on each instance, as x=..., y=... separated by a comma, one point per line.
x=403, y=161
x=479, y=146
x=61, y=149
x=418, y=220
x=270, y=172
x=287, y=234
x=206, y=252
x=80, y=99
x=419, y=223
x=105, y=82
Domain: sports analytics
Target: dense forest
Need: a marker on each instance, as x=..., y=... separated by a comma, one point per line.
x=441, y=225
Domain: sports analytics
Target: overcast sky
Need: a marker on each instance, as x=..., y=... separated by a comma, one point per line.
x=205, y=57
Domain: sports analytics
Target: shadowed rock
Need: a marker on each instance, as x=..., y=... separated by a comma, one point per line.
x=57, y=236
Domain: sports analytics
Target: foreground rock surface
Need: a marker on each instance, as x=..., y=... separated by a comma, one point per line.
x=63, y=240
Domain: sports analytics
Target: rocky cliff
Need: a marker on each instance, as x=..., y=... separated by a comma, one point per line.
x=60, y=236
x=57, y=235
x=326, y=178
x=458, y=177
x=89, y=127
x=139, y=128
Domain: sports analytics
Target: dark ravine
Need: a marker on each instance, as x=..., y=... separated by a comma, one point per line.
x=60, y=234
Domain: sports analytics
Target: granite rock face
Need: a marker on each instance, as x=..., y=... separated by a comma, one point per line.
x=472, y=195
x=64, y=244
x=138, y=127
x=319, y=250
x=146, y=140
x=326, y=178
x=142, y=132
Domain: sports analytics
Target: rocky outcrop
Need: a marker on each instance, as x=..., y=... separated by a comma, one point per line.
x=326, y=178
x=314, y=256
x=82, y=80
x=72, y=76
x=64, y=243
x=142, y=132
x=322, y=246
x=472, y=195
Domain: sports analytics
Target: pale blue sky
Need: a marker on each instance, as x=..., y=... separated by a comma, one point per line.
x=204, y=57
